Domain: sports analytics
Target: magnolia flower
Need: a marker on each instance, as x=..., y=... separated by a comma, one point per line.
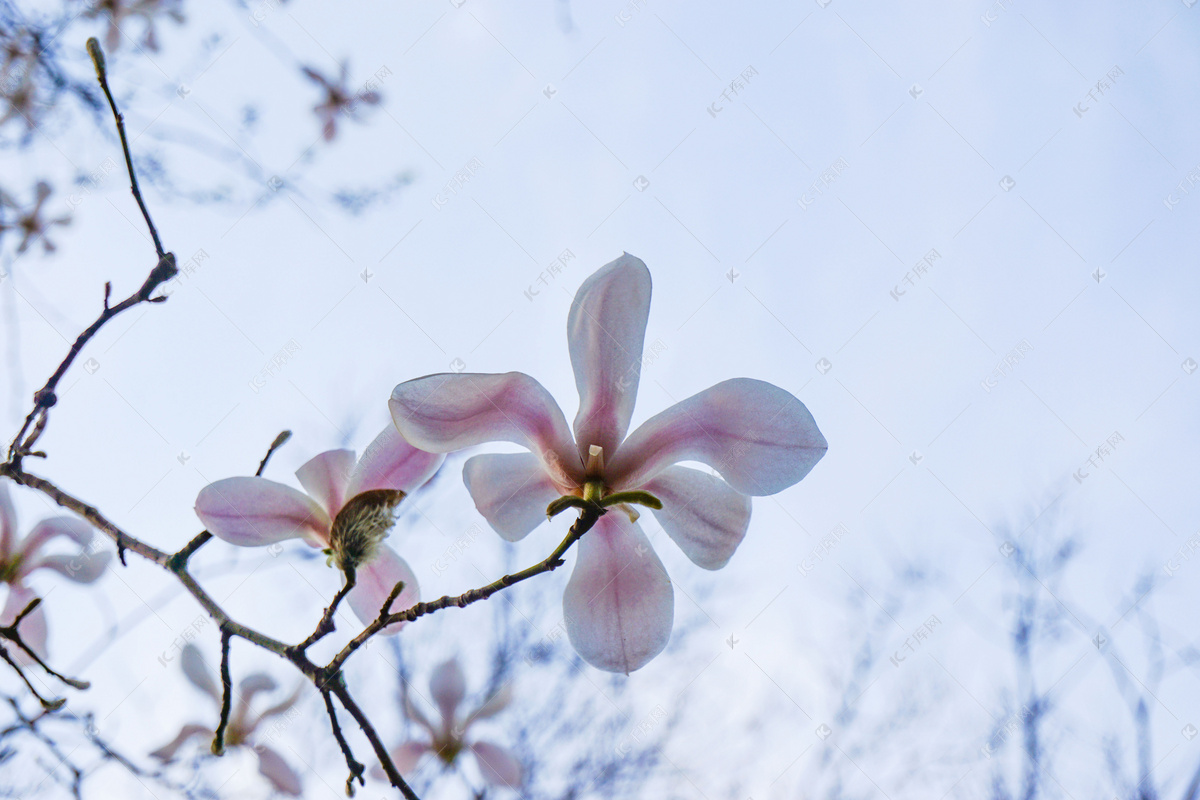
x=118, y=11
x=29, y=222
x=618, y=604
x=243, y=724
x=19, y=558
x=348, y=512
x=339, y=99
x=448, y=738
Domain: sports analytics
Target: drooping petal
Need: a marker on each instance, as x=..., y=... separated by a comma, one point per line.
x=375, y=581
x=701, y=513
x=72, y=528
x=511, y=491
x=389, y=462
x=8, y=522
x=498, y=766
x=168, y=750
x=255, y=511
x=85, y=567
x=33, y=628
x=196, y=670
x=448, y=686
x=277, y=771
x=758, y=436
x=606, y=331
x=619, y=604
x=450, y=411
x=324, y=477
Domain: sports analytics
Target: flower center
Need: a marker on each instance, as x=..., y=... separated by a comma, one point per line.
x=597, y=496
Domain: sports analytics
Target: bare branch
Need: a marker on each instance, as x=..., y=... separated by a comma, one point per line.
x=218, y=743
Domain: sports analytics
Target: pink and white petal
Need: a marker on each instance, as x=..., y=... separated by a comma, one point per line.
x=618, y=605
x=168, y=750
x=196, y=670
x=253, y=511
x=499, y=701
x=324, y=477
x=389, y=462
x=498, y=766
x=701, y=513
x=277, y=771
x=511, y=491
x=405, y=757
x=72, y=528
x=33, y=629
x=375, y=581
x=448, y=686
x=758, y=436
x=451, y=411
x=606, y=331
x=8, y=522
x=85, y=567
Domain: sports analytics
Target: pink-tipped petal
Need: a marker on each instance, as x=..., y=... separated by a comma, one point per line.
x=85, y=567
x=324, y=477
x=389, y=462
x=167, y=751
x=252, y=512
x=446, y=412
x=72, y=528
x=8, y=522
x=448, y=686
x=701, y=513
x=498, y=766
x=511, y=491
x=619, y=604
x=33, y=628
x=196, y=670
x=375, y=581
x=606, y=331
x=277, y=771
x=758, y=436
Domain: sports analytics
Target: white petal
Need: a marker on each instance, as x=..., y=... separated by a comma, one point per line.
x=498, y=766
x=324, y=477
x=375, y=580
x=389, y=462
x=254, y=511
x=277, y=771
x=196, y=670
x=8, y=523
x=701, y=513
x=511, y=491
x=448, y=686
x=85, y=567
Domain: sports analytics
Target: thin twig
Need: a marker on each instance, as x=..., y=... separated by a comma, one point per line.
x=356, y=768
x=385, y=759
x=218, y=743
x=11, y=633
x=326, y=626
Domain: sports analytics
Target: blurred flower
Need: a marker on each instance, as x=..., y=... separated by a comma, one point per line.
x=18, y=87
x=243, y=728
x=339, y=99
x=347, y=511
x=19, y=558
x=448, y=738
x=117, y=12
x=618, y=605
x=29, y=221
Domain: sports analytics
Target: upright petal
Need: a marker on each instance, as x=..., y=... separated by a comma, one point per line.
x=389, y=462
x=619, y=604
x=196, y=670
x=84, y=567
x=8, y=522
x=324, y=477
x=375, y=581
x=32, y=628
x=446, y=412
x=255, y=511
x=277, y=771
x=701, y=513
x=511, y=491
x=758, y=436
x=498, y=766
x=606, y=331
x=448, y=686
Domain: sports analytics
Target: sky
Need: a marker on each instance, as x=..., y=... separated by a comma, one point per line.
x=962, y=234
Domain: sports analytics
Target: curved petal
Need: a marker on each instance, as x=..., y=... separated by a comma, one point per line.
x=324, y=477
x=511, y=491
x=619, y=604
x=389, y=462
x=255, y=511
x=375, y=581
x=498, y=766
x=85, y=567
x=448, y=686
x=758, y=436
x=606, y=331
x=449, y=411
x=33, y=628
x=8, y=523
x=196, y=670
x=277, y=771
x=701, y=513
x=500, y=700
x=72, y=528
x=168, y=750
x=405, y=757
